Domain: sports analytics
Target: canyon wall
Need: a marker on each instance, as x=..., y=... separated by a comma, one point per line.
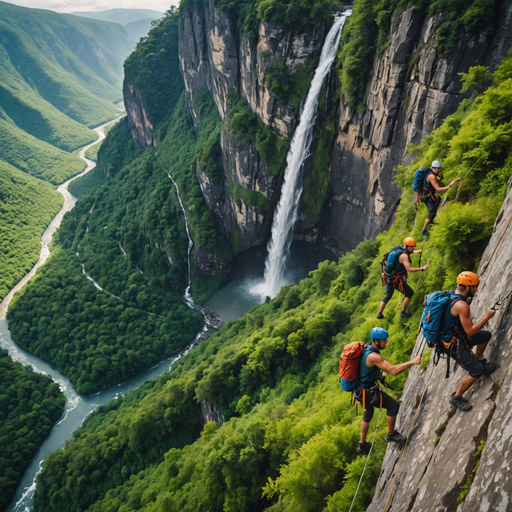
x=412, y=88
x=440, y=455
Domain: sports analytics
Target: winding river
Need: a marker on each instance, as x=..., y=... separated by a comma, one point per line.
x=77, y=407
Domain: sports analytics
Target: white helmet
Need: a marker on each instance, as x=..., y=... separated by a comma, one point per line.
x=436, y=163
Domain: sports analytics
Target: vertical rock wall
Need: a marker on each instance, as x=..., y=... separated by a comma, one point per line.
x=434, y=469
x=413, y=88
x=212, y=55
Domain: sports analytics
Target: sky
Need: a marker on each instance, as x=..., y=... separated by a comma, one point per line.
x=95, y=5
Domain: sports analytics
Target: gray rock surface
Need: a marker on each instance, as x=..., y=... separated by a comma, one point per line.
x=413, y=88
x=431, y=475
x=138, y=121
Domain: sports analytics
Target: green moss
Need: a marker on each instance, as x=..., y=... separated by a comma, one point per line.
x=425, y=358
x=469, y=481
x=250, y=197
x=318, y=179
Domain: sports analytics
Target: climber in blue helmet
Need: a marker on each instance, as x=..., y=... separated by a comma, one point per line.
x=368, y=392
x=430, y=197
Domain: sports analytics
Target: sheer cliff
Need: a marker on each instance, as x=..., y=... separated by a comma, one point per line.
x=413, y=83
x=444, y=458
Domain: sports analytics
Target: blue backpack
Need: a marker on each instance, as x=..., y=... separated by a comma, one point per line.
x=434, y=308
x=390, y=259
x=419, y=179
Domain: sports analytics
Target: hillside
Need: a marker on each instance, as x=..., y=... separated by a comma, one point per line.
x=121, y=16
x=253, y=418
x=287, y=428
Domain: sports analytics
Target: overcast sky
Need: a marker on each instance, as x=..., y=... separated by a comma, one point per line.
x=95, y=5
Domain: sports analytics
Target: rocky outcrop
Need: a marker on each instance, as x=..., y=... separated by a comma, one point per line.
x=211, y=412
x=239, y=218
x=440, y=454
x=412, y=90
x=213, y=56
x=138, y=121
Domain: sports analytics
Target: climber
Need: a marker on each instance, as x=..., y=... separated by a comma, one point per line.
x=368, y=392
x=462, y=335
x=395, y=275
x=429, y=195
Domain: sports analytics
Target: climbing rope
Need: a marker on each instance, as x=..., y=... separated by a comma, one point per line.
x=425, y=387
x=460, y=184
x=419, y=280
x=366, y=463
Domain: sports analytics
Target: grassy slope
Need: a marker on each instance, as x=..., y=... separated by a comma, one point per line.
x=75, y=64
x=27, y=206
x=289, y=428
x=36, y=157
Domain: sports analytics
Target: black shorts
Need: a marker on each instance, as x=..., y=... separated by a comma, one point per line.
x=432, y=206
x=373, y=400
x=464, y=356
x=406, y=290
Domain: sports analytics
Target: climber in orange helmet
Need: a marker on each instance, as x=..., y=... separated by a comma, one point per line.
x=395, y=266
x=459, y=329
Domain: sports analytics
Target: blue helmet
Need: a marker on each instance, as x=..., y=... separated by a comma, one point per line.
x=378, y=333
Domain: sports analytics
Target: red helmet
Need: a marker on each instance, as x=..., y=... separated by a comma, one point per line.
x=468, y=279
x=410, y=242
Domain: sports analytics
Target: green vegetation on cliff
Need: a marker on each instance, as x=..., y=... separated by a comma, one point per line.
x=367, y=31
x=30, y=404
x=27, y=205
x=288, y=428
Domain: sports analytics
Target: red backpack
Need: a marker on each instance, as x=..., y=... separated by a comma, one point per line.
x=349, y=364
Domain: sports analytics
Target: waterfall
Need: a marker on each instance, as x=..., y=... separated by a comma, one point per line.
x=211, y=320
x=287, y=210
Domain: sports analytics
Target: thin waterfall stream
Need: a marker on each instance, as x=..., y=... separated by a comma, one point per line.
x=287, y=210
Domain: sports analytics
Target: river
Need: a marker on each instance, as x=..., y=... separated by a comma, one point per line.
x=77, y=407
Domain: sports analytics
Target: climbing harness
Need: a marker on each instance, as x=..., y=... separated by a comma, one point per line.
x=367, y=459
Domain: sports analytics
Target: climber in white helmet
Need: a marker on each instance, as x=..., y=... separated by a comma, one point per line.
x=430, y=197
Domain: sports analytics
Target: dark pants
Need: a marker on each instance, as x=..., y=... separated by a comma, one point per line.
x=390, y=288
x=432, y=206
x=464, y=356
x=372, y=400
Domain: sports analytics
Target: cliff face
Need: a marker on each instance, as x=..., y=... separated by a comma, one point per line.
x=432, y=472
x=138, y=121
x=412, y=90
x=211, y=56
x=413, y=87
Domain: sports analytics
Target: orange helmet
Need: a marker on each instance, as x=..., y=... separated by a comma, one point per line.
x=410, y=242
x=468, y=279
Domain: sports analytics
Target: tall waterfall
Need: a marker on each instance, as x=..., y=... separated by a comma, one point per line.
x=287, y=209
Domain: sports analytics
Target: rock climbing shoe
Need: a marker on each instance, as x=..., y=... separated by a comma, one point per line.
x=405, y=314
x=461, y=403
x=424, y=233
x=489, y=368
x=364, y=448
x=380, y=316
x=395, y=438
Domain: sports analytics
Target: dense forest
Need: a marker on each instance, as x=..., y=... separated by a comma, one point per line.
x=289, y=430
x=30, y=403
x=27, y=205
x=289, y=437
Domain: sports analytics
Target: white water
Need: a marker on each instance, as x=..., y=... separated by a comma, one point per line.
x=210, y=319
x=77, y=407
x=287, y=209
